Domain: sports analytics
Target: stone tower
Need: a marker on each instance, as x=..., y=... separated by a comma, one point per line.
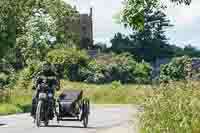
x=83, y=26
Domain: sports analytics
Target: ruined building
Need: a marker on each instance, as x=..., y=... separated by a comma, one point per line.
x=82, y=25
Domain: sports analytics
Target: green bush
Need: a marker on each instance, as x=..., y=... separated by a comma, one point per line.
x=79, y=67
x=68, y=56
x=127, y=70
x=174, y=110
x=116, y=85
x=92, y=73
x=7, y=79
x=7, y=73
x=3, y=80
x=175, y=70
x=70, y=59
x=30, y=71
x=121, y=68
x=142, y=73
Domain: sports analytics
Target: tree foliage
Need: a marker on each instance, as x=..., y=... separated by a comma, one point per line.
x=121, y=43
x=151, y=42
x=37, y=40
x=28, y=30
x=14, y=15
x=191, y=51
x=133, y=11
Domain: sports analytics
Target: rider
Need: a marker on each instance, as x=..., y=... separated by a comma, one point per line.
x=46, y=75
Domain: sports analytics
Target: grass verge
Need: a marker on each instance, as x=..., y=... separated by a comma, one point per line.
x=176, y=109
x=16, y=100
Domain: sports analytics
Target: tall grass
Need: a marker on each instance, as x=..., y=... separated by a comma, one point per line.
x=176, y=109
x=4, y=96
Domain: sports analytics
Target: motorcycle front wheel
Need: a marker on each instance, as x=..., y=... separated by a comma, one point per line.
x=39, y=113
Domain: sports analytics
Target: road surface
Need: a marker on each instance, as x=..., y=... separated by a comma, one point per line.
x=103, y=119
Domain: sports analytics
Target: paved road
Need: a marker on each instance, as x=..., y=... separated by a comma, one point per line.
x=103, y=119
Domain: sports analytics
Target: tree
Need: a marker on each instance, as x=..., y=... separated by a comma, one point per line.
x=38, y=39
x=191, y=51
x=149, y=43
x=133, y=11
x=14, y=15
x=121, y=43
x=29, y=28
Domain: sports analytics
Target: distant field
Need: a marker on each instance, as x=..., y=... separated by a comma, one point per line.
x=19, y=99
x=114, y=93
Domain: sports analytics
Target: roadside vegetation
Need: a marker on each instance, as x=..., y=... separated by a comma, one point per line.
x=17, y=99
x=175, y=109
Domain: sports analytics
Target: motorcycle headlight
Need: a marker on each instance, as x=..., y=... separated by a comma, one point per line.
x=50, y=95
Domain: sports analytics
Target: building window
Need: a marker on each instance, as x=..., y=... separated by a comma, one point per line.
x=84, y=28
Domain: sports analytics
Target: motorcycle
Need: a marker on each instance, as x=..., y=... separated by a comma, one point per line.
x=45, y=104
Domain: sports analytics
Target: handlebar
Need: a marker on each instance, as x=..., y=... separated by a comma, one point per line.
x=49, y=78
x=45, y=77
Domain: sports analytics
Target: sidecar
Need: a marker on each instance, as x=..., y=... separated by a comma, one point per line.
x=73, y=107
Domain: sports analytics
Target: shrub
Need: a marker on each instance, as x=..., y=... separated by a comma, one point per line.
x=70, y=59
x=142, y=73
x=30, y=71
x=97, y=78
x=121, y=68
x=7, y=79
x=116, y=85
x=78, y=67
x=125, y=69
x=175, y=70
x=93, y=73
x=4, y=79
x=6, y=74
x=68, y=56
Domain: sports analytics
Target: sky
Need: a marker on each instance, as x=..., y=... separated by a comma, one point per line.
x=186, y=20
